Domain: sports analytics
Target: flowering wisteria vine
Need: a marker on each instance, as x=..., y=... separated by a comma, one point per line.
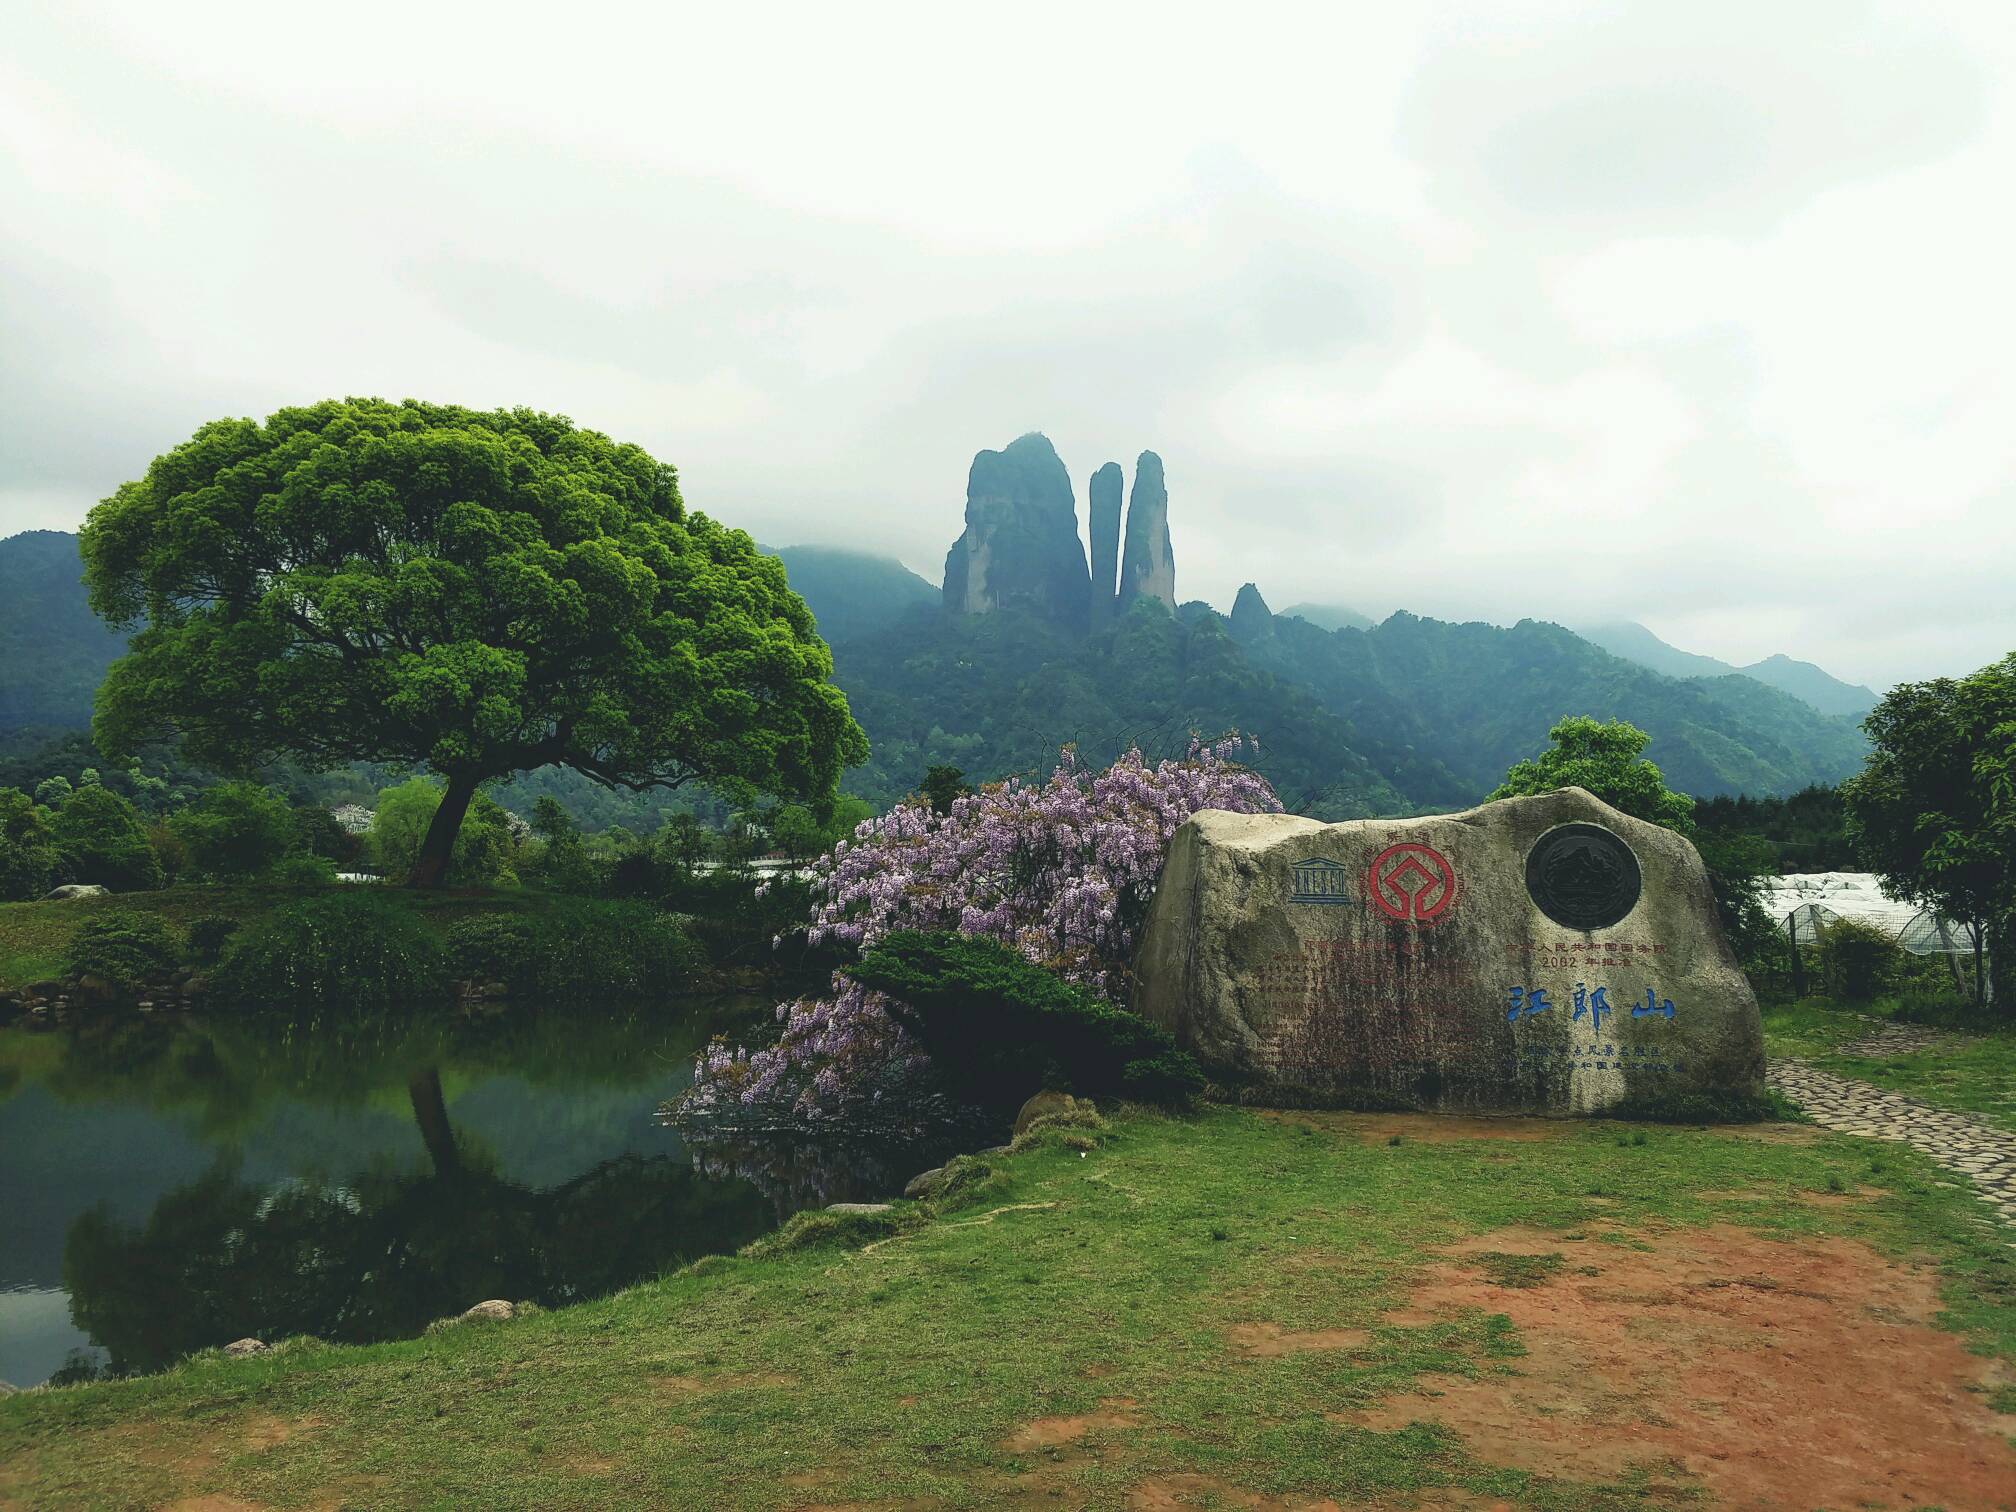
x=1063, y=871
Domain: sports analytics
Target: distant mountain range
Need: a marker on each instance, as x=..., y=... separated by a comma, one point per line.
x=1825, y=692
x=53, y=649
x=1354, y=718
x=852, y=593
x=1329, y=616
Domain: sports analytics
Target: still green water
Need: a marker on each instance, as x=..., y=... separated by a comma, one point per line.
x=167, y=1184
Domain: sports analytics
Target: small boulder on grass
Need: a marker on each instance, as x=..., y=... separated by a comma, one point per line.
x=1045, y=1104
x=496, y=1310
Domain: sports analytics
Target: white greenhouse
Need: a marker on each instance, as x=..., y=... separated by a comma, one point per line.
x=1802, y=903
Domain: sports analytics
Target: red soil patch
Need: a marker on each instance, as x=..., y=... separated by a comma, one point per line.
x=1267, y=1340
x=1423, y=1128
x=1780, y=1375
x=264, y=1431
x=1049, y=1432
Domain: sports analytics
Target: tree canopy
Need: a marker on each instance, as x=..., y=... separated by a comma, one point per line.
x=1606, y=760
x=479, y=593
x=1934, y=811
x=28, y=857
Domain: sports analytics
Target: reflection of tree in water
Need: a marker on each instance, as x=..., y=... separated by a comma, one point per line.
x=225, y=1076
x=382, y=1250
x=385, y=1253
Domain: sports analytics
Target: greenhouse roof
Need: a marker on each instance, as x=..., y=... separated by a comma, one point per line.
x=1808, y=900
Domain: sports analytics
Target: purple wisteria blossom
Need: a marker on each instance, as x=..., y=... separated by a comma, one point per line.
x=1063, y=871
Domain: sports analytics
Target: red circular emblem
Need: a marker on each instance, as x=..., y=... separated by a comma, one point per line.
x=1411, y=882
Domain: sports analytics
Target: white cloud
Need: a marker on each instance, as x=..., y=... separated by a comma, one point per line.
x=1697, y=314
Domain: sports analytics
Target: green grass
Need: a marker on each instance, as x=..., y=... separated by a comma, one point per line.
x=1969, y=1073
x=894, y=1360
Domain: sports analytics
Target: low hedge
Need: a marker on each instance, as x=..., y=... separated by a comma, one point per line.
x=125, y=947
x=343, y=949
x=578, y=947
x=999, y=1027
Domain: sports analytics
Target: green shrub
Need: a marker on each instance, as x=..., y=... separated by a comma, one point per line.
x=493, y=948
x=1945, y=1006
x=126, y=949
x=590, y=947
x=234, y=831
x=100, y=838
x=298, y=872
x=208, y=935
x=577, y=947
x=353, y=948
x=1855, y=961
x=999, y=1027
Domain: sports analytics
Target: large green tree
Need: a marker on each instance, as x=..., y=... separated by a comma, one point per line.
x=1934, y=811
x=481, y=593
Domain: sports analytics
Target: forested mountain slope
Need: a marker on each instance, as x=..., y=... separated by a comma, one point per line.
x=1410, y=714
x=53, y=649
x=1413, y=713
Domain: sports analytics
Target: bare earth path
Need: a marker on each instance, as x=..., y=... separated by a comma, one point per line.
x=1967, y=1146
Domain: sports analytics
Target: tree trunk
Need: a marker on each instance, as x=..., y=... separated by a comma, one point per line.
x=430, y=1112
x=431, y=868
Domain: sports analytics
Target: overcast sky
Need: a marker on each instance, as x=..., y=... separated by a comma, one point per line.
x=1689, y=313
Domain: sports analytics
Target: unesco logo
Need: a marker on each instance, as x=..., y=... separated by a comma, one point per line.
x=1318, y=880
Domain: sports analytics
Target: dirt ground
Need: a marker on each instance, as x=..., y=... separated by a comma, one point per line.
x=1772, y=1375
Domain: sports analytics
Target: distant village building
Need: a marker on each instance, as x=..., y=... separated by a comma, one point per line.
x=354, y=818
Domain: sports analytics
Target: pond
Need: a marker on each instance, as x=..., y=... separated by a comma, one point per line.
x=170, y=1184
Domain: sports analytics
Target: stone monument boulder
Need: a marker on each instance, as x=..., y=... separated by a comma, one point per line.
x=1535, y=955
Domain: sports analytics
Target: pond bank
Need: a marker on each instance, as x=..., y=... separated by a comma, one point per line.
x=1233, y=1306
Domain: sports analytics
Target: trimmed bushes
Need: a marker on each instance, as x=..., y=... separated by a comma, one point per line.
x=346, y=949
x=577, y=947
x=125, y=949
x=999, y=1027
x=208, y=935
x=302, y=873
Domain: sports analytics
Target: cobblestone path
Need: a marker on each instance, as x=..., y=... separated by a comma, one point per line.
x=1966, y=1146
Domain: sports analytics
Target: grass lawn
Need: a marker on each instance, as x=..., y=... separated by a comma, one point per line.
x=1243, y=1309
x=1970, y=1073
